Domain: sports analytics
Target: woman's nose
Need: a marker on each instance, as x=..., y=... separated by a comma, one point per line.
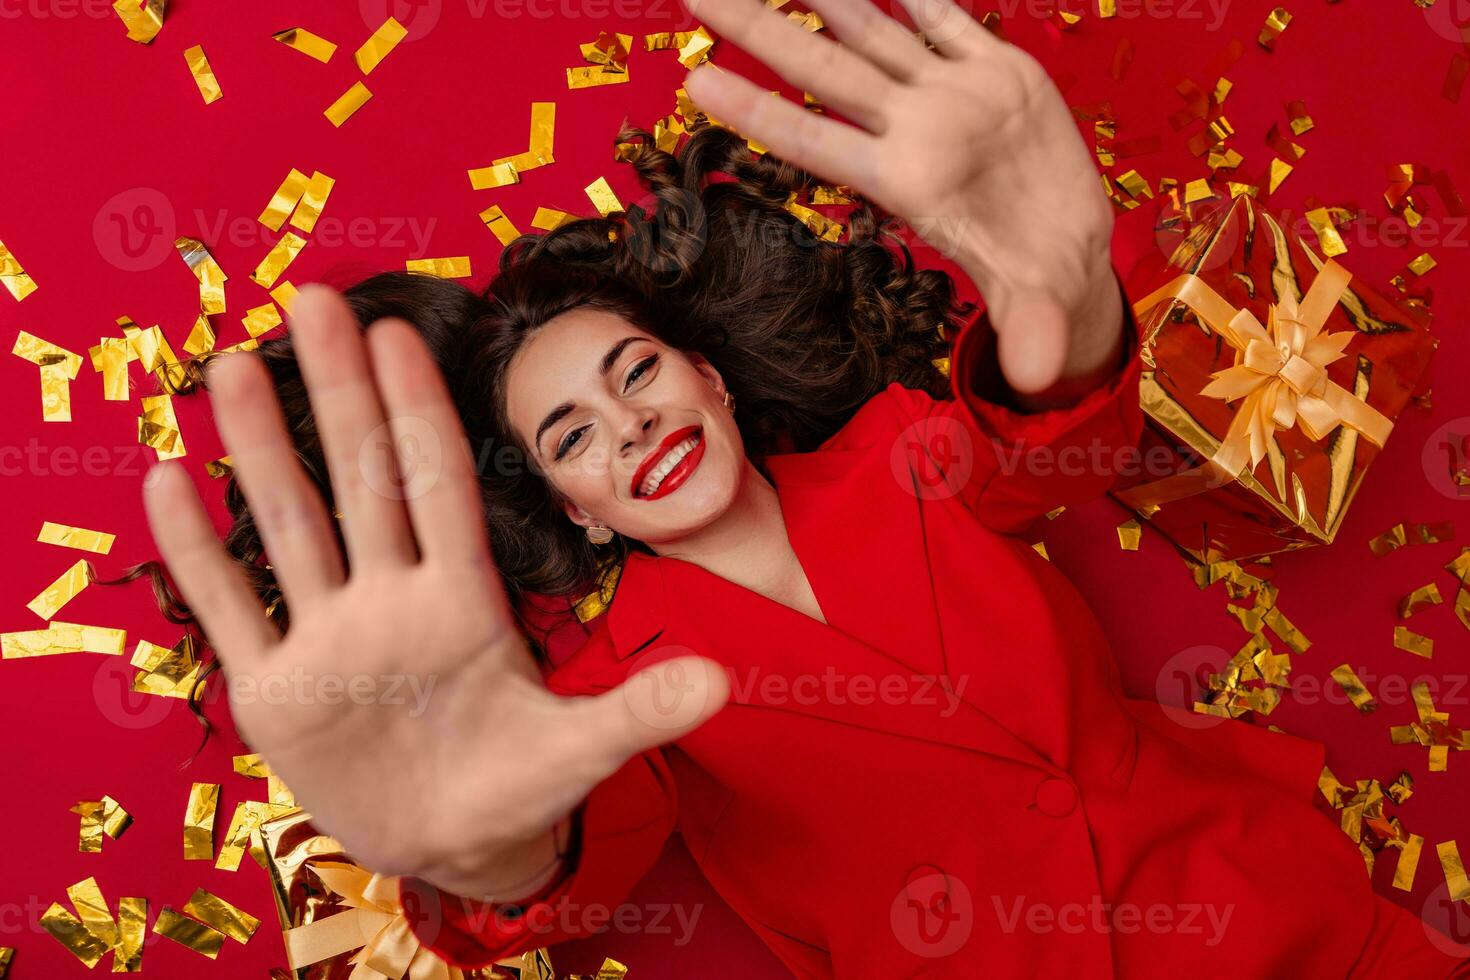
x=637, y=428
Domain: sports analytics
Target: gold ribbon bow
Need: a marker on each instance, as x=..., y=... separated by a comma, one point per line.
x=1280, y=372
x=373, y=924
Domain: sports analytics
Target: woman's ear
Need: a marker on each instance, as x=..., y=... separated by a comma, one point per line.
x=704, y=367
x=578, y=516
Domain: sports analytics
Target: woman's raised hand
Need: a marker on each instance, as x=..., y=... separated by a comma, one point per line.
x=401, y=706
x=971, y=143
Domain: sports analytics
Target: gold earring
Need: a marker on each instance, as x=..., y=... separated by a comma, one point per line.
x=599, y=534
x=729, y=400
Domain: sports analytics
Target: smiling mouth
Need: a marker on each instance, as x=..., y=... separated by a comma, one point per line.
x=670, y=464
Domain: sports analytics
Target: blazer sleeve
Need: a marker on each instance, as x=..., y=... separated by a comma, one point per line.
x=1008, y=466
x=620, y=830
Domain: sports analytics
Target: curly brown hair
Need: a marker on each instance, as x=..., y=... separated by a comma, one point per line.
x=803, y=330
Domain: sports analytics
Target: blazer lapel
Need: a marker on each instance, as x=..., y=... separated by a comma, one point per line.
x=877, y=663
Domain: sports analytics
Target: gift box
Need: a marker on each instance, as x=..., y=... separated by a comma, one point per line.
x=342, y=922
x=1272, y=379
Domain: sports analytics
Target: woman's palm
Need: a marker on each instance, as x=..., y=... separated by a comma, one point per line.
x=401, y=706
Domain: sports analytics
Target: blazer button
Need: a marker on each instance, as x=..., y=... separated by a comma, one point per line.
x=1055, y=797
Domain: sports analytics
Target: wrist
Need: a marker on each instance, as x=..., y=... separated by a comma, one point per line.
x=507, y=875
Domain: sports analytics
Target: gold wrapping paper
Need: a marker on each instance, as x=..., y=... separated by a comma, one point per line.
x=1269, y=430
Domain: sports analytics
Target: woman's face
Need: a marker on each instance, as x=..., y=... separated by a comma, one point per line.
x=634, y=433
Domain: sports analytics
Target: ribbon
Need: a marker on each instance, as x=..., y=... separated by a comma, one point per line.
x=373, y=924
x=1279, y=374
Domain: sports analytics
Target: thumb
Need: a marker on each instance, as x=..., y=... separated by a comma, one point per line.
x=662, y=703
x=1032, y=336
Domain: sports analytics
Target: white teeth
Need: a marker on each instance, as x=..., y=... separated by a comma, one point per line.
x=666, y=465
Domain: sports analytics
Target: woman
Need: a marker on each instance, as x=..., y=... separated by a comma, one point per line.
x=892, y=734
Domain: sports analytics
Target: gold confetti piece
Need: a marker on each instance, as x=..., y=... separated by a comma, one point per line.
x=351, y=100
x=221, y=916
x=1420, y=598
x=1040, y=548
x=495, y=175
x=218, y=469
x=169, y=672
x=66, y=536
x=284, y=200
x=251, y=766
x=602, y=197
x=115, y=820
x=211, y=277
x=549, y=219
x=1406, y=639
x=13, y=277
x=89, y=838
x=456, y=267
x=132, y=928
x=597, y=75
x=1299, y=120
x=209, y=88
x=262, y=319
x=309, y=44
x=243, y=832
x=541, y=143
x=1133, y=183
x=1395, y=537
x=285, y=294
x=92, y=909
x=1422, y=264
x=68, y=930
x=1130, y=533
x=1198, y=190
x=110, y=357
x=199, y=822
x=158, y=427
x=313, y=200
x=1454, y=870
x=1280, y=170
x=377, y=47
x=500, y=226
x=40, y=643
x=7, y=953
x=1326, y=232
x=142, y=19
x=1356, y=691
x=280, y=256
x=821, y=225
x=95, y=639
x=186, y=932
x=1276, y=22
x=63, y=590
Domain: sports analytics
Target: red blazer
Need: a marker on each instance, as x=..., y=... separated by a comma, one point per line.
x=946, y=779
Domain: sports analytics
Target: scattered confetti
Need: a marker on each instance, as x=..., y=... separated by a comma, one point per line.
x=209, y=88
x=309, y=44
x=352, y=100
x=142, y=19
x=457, y=267
x=1406, y=639
x=378, y=47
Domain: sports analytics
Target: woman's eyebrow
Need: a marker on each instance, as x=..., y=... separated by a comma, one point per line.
x=565, y=408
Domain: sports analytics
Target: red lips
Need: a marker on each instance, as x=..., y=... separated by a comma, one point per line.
x=675, y=476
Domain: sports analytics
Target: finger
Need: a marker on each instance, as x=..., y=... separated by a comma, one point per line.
x=873, y=35
x=212, y=584
x=349, y=417
x=842, y=79
x=439, y=481
x=950, y=28
x=1031, y=333
x=657, y=705
x=286, y=506
x=834, y=151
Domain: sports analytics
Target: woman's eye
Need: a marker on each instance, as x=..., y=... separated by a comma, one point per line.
x=570, y=440
x=639, y=369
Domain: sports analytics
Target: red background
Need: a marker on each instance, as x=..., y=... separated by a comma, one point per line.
x=91, y=116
